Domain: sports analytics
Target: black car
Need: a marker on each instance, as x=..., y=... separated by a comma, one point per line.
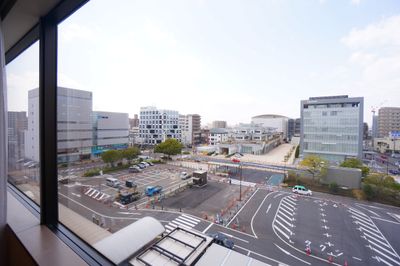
x=222, y=240
x=394, y=172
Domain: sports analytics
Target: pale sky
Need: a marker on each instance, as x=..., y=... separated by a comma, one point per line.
x=225, y=60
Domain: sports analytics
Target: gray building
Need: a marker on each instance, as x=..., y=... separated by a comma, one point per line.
x=332, y=127
x=74, y=125
x=134, y=122
x=110, y=131
x=157, y=125
x=219, y=124
x=294, y=128
x=17, y=125
x=190, y=126
x=374, y=129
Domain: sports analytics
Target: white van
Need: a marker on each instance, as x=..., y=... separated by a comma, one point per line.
x=112, y=182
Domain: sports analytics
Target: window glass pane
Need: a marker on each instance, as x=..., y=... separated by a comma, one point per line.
x=23, y=122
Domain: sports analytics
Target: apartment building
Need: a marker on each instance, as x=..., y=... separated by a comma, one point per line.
x=157, y=125
x=190, y=129
x=332, y=127
x=388, y=120
x=219, y=124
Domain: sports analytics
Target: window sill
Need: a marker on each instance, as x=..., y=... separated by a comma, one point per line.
x=39, y=241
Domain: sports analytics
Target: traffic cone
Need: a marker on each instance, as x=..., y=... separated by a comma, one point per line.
x=330, y=259
x=345, y=263
x=308, y=251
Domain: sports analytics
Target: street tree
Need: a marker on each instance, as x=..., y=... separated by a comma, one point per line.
x=169, y=147
x=315, y=165
x=111, y=156
x=355, y=163
x=130, y=153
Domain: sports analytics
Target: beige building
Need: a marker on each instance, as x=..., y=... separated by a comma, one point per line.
x=219, y=124
x=388, y=120
x=387, y=144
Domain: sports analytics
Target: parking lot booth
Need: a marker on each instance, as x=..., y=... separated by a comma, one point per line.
x=200, y=178
x=128, y=241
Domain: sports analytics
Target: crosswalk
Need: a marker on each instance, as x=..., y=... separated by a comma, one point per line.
x=184, y=221
x=375, y=241
x=96, y=194
x=284, y=219
x=244, y=183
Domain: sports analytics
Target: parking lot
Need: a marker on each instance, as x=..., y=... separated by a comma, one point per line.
x=332, y=231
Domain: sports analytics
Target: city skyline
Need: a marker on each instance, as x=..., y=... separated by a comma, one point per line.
x=227, y=68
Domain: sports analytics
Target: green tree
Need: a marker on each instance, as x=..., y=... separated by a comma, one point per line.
x=355, y=163
x=130, y=153
x=169, y=147
x=111, y=156
x=315, y=166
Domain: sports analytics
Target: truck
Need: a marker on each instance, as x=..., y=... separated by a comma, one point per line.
x=126, y=197
x=152, y=190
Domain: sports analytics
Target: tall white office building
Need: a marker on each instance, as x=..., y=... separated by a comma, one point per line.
x=74, y=125
x=157, y=125
x=332, y=127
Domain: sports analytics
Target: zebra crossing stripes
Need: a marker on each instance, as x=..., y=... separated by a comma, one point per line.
x=96, y=194
x=184, y=221
x=375, y=240
x=283, y=220
x=244, y=183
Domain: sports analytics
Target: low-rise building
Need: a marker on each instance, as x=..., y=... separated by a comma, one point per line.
x=217, y=136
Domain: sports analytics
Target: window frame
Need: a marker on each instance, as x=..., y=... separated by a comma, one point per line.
x=45, y=31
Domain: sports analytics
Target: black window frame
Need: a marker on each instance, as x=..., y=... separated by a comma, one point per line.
x=45, y=31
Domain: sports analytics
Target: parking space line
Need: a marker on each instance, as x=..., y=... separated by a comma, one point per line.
x=385, y=220
x=288, y=253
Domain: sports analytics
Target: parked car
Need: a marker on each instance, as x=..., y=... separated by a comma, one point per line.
x=129, y=183
x=150, y=163
x=184, y=175
x=146, y=164
x=134, y=169
x=301, y=190
x=153, y=190
x=222, y=240
x=394, y=172
x=141, y=165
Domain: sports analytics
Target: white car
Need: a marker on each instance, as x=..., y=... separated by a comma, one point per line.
x=301, y=190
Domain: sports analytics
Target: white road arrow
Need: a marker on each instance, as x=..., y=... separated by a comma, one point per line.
x=327, y=235
x=322, y=247
x=269, y=207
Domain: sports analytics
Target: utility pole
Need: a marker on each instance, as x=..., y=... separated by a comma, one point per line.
x=240, y=183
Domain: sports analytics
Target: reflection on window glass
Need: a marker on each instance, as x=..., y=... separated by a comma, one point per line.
x=23, y=122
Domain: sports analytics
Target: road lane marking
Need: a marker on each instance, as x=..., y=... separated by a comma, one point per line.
x=375, y=239
x=379, y=208
x=243, y=207
x=287, y=217
x=366, y=221
x=369, y=226
x=291, y=214
x=383, y=254
x=286, y=207
x=232, y=236
x=374, y=213
x=288, y=253
x=385, y=220
x=287, y=229
x=357, y=211
x=179, y=219
x=280, y=230
x=289, y=224
x=375, y=234
x=262, y=256
x=259, y=207
x=382, y=248
x=269, y=207
x=280, y=194
x=292, y=204
x=357, y=258
x=178, y=224
x=208, y=227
